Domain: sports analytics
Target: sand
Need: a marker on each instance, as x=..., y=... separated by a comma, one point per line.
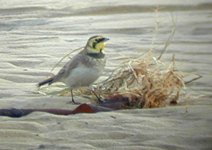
x=35, y=35
x=180, y=127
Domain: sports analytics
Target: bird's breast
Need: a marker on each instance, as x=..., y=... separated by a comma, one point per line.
x=82, y=76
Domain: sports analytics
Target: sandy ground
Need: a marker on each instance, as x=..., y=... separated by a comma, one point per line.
x=34, y=35
x=181, y=127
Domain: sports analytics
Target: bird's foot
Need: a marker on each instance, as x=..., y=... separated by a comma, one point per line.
x=98, y=97
x=73, y=102
x=99, y=100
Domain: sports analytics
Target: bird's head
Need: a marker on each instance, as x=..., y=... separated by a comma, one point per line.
x=96, y=44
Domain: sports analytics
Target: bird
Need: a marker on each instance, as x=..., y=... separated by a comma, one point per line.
x=84, y=68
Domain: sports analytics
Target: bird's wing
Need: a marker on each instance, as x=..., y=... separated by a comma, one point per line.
x=69, y=66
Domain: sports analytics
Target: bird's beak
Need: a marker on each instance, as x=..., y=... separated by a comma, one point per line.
x=105, y=39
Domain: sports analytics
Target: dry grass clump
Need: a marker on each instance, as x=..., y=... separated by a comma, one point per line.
x=145, y=81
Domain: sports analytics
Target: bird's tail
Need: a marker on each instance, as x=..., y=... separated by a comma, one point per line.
x=47, y=81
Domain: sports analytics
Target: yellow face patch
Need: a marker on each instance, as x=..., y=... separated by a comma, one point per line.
x=100, y=46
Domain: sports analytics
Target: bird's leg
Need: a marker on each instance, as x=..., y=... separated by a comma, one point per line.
x=72, y=98
x=98, y=97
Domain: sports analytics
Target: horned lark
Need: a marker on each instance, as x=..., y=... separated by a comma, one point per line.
x=84, y=68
